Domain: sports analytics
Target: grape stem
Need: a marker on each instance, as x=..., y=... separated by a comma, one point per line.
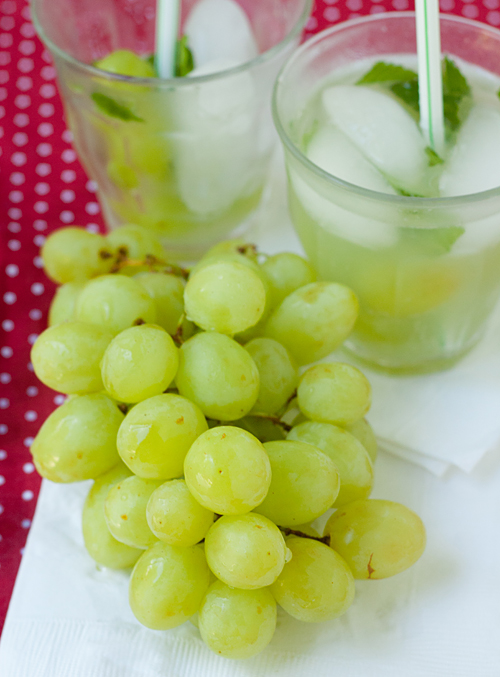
x=301, y=534
x=274, y=419
x=177, y=337
x=122, y=260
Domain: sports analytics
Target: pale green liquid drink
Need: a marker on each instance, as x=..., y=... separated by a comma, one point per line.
x=426, y=269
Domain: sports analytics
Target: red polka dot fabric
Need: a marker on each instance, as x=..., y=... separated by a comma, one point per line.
x=43, y=187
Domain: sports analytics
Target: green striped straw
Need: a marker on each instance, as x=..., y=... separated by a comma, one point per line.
x=167, y=29
x=430, y=78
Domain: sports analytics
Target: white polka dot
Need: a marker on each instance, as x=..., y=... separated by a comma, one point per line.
x=28, y=468
x=493, y=18
x=12, y=270
x=32, y=338
x=67, y=136
x=3, y=454
x=30, y=367
x=5, y=58
x=27, y=47
x=15, y=213
x=46, y=110
x=39, y=240
x=491, y=4
x=38, y=261
x=4, y=403
x=42, y=188
x=470, y=11
x=46, y=56
x=31, y=391
x=7, y=325
x=92, y=227
x=67, y=216
x=1, y=509
x=35, y=314
x=30, y=415
x=24, y=83
x=59, y=399
x=20, y=139
x=68, y=155
x=92, y=208
x=37, y=288
x=68, y=175
x=7, y=23
x=91, y=186
x=27, y=495
x=25, y=65
x=14, y=245
x=45, y=129
x=41, y=207
x=44, y=149
x=6, y=351
x=26, y=523
x=2, y=480
x=28, y=441
x=47, y=90
x=14, y=227
x=5, y=378
x=8, y=7
x=48, y=72
x=68, y=196
x=6, y=40
x=3, y=96
x=3, y=429
x=22, y=101
x=16, y=196
x=40, y=224
x=18, y=159
x=43, y=169
x=9, y=298
x=17, y=178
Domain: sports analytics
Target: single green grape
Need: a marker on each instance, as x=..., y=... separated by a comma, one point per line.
x=363, y=431
x=316, y=585
x=218, y=375
x=126, y=62
x=175, y=517
x=376, y=538
x=237, y=623
x=304, y=484
x=157, y=433
x=227, y=297
x=235, y=246
x=334, y=393
x=139, y=363
x=262, y=428
x=115, y=302
x=67, y=357
x=227, y=470
x=314, y=320
x=125, y=511
x=100, y=544
x=78, y=440
x=287, y=272
x=74, y=255
x=167, y=585
x=168, y=294
x=139, y=243
x=62, y=308
x=245, y=551
x=349, y=455
x=277, y=372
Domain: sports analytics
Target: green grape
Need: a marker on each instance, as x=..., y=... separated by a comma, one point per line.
x=100, y=544
x=67, y=357
x=226, y=297
x=167, y=585
x=287, y=272
x=316, y=584
x=73, y=254
x=156, y=434
x=334, y=393
x=126, y=62
x=236, y=246
x=245, y=551
x=237, y=623
x=115, y=302
x=227, y=470
x=62, y=308
x=349, y=455
x=139, y=244
x=262, y=428
x=277, y=372
x=363, y=431
x=314, y=320
x=175, y=517
x=304, y=483
x=125, y=511
x=376, y=538
x=168, y=293
x=219, y=375
x=139, y=363
x=78, y=440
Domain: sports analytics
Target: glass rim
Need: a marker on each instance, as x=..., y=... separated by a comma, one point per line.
x=176, y=81
x=407, y=201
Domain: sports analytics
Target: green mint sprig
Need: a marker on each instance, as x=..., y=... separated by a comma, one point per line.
x=113, y=108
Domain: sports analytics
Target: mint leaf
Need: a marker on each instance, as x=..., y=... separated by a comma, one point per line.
x=387, y=72
x=405, y=193
x=408, y=93
x=184, y=61
x=434, y=158
x=110, y=107
x=434, y=241
x=455, y=90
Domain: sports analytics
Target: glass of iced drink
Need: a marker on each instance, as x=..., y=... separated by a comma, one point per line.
x=415, y=234
x=186, y=157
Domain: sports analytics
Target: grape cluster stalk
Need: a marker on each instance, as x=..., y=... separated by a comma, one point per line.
x=213, y=447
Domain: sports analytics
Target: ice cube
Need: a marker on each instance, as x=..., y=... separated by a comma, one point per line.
x=382, y=130
x=474, y=163
x=220, y=29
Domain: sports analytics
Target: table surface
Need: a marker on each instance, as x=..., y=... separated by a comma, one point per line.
x=43, y=187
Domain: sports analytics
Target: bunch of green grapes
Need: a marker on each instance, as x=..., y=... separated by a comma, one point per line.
x=212, y=447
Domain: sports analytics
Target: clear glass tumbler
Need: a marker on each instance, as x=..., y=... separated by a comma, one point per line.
x=186, y=157
x=426, y=270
